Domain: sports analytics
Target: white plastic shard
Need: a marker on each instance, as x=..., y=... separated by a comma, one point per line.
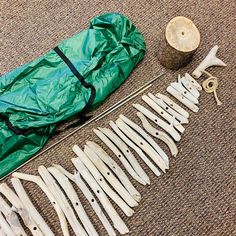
x=102, y=182
x=210, y=60
x=116, y=169
x=127, y=153
x=5, y=227
x=174, y=105
x=135, y=148
x=158, y=134
x=42, y=185
x=11, y=218
x=110, y=177
x=116, y=219
x=163, y=113
x=190, y=87
x=193, y=81
x=147, y=137
x=167, y=108
x=136, y=138
x=182, y=99
x=62, y=201
x=20, y=209
x=120, y=156
x=72, y=195
x=167, y=127
x=89, y=196
x=30, y=207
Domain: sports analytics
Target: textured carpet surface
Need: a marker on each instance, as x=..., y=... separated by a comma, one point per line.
x=197, y=195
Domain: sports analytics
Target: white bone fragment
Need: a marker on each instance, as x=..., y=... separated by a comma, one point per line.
x=209, y=60
x=147, y=137
x=20, y=209
x=182, y=99
x=172, y=104
x=89, y=196
x=62, y=201
x=102, y=182
x=135, y=148
x=11, y=218
x=2, y=232
x=5, y=227
x=116, y=219
x=190, y=87
x=72, y=195
x=120, y=156
x=167, y=108
x=116, y=169
x=107, y=173
x=193, y=81
x=158, y=134
x=42, y=185
x=127, y=153
x=142, y=144
x=30, y=207
x=163, y=113
x=167, y=127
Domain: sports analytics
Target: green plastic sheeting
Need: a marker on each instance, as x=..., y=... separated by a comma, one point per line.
x=35, y=97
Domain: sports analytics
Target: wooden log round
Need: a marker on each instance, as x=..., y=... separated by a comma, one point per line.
x=179, y=43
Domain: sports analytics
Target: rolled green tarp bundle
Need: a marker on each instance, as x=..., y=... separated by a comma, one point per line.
x=63, y=84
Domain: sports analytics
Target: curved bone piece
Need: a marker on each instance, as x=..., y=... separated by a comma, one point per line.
x=163, y=113
x=167, y=127
x=172, y=104
x=158, y=134
x=135, y=147
x=210, y=60
x=101, y=181
x=62, y=201
x=5, y=227
x=89, y=196
x=20, y=209
x=42, y=185
x=120, y=156
x=72, y=195
x=117, y=221
x=190, y=87
x=107, y=173
x=11, y=218
x=193, y=81
x=147, y=137
x=30, y=207
x=142, y=144
x=167, y=108
x=128, y=154
x=182, y=99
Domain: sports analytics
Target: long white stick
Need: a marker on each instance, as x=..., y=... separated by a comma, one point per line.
x=117, y=221
x=5, y=227
x=30, y=207
x=72, y=195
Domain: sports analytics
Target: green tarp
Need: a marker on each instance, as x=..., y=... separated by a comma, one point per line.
x=35, y=97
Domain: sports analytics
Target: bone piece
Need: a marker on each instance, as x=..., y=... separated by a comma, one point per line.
x=167, y=108
x=30, y=207
x=20, y=209
x=11, y=218
x=163, y=113
x=147, y=137
x=172, y=104
x=117, y=221
x=89, y=196
x=167, y=127
x=142, y=144
x=210, y=60
x=158, y=134
x=193, y=81
x=5, y=227
x=135, y=147
x=108, y=175
x=190, y=87
x=182, y=99
x=120, y=156
x=2, y=232
x=42, y=185
x=62, y=201
x=72, y=195
x=128, y=154
x=101, y=181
